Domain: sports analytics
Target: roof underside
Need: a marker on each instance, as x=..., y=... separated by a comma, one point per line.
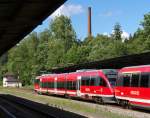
x=116, y=63
x=19, y=17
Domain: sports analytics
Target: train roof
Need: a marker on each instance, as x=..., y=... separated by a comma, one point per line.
x=135, y=69
x=85, y=70
x=140, y=66
x=105, y=71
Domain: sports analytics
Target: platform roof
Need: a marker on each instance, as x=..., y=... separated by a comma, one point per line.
x=19, y=17
x=117, y=63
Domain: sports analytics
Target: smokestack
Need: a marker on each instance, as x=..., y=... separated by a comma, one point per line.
x=89, y=22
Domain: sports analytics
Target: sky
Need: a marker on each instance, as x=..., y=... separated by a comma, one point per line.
x=105, y=13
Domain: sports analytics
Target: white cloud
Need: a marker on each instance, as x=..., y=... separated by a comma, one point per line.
x=106, y=34
x=110, y=13
x=125, y=35
x=68, y=10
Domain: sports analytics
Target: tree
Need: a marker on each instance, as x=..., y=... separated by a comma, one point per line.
x=141, y=38
x=77, y=54
x=117, y=32
x=62, y=30
x=100, y=48
x=146, y=24
x=55, y=54
x=61, y=40
x=43, y=50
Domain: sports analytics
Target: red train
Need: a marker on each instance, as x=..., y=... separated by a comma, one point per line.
x=129, y=86
x=133, y=86
x=87, y=84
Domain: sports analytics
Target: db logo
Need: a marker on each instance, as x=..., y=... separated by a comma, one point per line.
x=101, y=90
x=87, y=89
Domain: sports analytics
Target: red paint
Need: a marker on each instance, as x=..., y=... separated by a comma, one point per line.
x=72, y=78
x=135, y=95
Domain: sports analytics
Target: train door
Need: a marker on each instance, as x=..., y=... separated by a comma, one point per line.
x=65, y=83
x=103, y=86
x=46, y=85
x=40, y=85
x=78, y=86
x=55, y=85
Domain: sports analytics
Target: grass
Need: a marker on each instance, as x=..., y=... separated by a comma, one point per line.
x=66, y=104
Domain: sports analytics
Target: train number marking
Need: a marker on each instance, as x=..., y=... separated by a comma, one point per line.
x=134, y=92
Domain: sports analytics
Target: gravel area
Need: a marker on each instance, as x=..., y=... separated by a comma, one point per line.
x=115, y=109
x=97, y=111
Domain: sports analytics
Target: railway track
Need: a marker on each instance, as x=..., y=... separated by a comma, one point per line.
x=15, y=107
x=113, y=108
x=133, y=112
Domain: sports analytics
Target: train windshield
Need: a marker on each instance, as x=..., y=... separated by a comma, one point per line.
x=112, y=79
x=36, y=81
x=111, y=74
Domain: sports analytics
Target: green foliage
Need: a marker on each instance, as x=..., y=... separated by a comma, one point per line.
x=117, y=32
x=58, y=46
x=55, y=54
x=146, y=24
x=62, y=30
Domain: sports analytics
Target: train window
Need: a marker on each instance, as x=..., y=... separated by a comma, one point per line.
x=112, y=79
x=88, y=82
x=57, y=84
x=126, y=80
x=68, y=85
x=119, y=81
x=101, y=82
x=71, y=85
x=36, y=81
x=135, y=79
x=44, y=85
x=74, y=86
x=144, y=80
x=61, y=85
x=50, y=85
x=85, y=81
x=92, y=81
x=40, y=84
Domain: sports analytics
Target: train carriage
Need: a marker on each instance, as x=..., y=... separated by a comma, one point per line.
x=133, y=86
x=87, y=84
x=98, y=85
